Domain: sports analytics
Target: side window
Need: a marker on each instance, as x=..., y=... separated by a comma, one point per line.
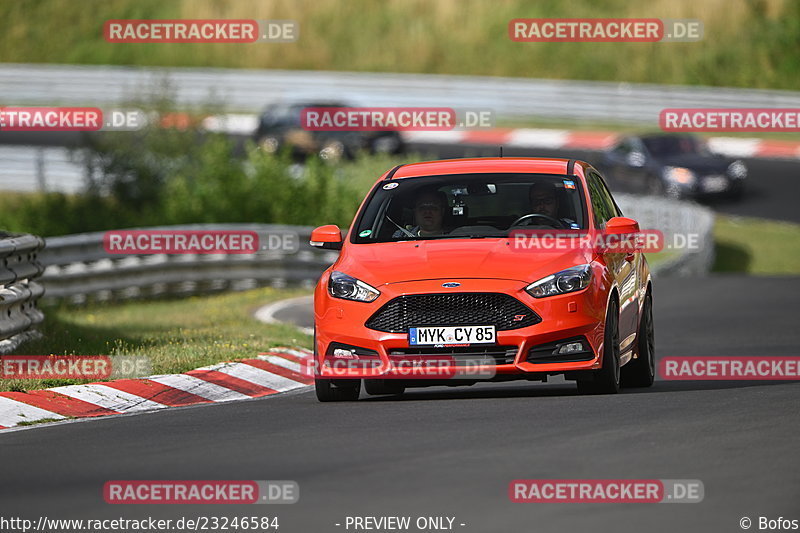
x=603, y=205
x=615, y=210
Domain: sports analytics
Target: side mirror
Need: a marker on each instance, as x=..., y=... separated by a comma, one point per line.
x=626, y=241
x=327, y=237
x=621, y=226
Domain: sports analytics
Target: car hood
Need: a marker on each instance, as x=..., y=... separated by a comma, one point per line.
x=491, y=258
x=698, y=163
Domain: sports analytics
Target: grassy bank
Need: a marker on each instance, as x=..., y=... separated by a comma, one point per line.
x=176, y=335
x=746, y=43
x=756, y=246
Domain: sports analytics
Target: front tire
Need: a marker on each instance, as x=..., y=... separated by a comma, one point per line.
x=606, y=380
x=641, y=372
x=337, y=390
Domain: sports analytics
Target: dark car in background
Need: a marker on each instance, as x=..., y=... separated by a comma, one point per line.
x=279, y=128
x=678, y=166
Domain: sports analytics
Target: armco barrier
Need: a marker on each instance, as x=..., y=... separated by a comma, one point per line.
x=679, y=222
x=249, y=90
x=18, y=290
x=78, y=268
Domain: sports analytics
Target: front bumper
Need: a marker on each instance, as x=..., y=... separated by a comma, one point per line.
x=389, y=356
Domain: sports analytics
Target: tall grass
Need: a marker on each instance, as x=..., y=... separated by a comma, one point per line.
x=748, y=43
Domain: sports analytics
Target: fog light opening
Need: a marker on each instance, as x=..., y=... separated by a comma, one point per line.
x=344, y=354
x=569, y=348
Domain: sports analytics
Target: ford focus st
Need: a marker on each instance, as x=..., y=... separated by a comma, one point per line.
x=461, y=271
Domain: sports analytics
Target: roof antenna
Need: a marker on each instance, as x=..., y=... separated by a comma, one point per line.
x=501, y=151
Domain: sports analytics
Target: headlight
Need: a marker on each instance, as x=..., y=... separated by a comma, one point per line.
x=349, y=288
x=569, y=280
x=737, y=170
x=679, y=175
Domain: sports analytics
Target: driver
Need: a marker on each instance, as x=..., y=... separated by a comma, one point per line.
x=429, y=209
x=544, y=201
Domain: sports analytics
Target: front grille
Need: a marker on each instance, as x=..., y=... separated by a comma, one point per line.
x=502, y=311
x=461, y=355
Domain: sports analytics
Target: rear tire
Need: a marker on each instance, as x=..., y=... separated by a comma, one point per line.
x=641, y=372
x=606, y=380
x=337, y=390
x=380, y=387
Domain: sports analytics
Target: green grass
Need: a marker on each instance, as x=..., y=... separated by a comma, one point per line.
x=755, y=246
x=176, y=335
x=40, y=421
x=746, y=43
x=658, y=258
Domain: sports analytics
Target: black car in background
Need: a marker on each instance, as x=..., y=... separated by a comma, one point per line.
x=279, y=128
x=677, y=166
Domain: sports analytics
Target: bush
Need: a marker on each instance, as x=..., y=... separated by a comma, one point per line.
x=166, y=176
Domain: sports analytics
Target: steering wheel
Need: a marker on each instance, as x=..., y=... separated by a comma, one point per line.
x=550, y=220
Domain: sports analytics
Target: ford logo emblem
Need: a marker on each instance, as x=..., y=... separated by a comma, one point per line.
x=451, y=284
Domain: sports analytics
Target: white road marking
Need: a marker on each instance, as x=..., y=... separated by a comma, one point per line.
x=200, y=387
x=260, y=377
x=108, y=397
x=13, y=412
x=280, y=361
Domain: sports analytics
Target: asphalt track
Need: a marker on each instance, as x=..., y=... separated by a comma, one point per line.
x=453, y=452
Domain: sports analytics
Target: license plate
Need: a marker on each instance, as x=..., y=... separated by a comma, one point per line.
x=451, y=335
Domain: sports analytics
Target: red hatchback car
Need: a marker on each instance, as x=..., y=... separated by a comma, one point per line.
x=457, y=271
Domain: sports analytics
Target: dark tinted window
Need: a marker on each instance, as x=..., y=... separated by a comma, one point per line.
x=470, y=205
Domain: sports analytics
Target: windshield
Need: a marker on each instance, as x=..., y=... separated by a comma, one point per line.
x=469, y=206
x=660, y=146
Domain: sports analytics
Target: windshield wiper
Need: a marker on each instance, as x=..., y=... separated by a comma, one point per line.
x=401, y=228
